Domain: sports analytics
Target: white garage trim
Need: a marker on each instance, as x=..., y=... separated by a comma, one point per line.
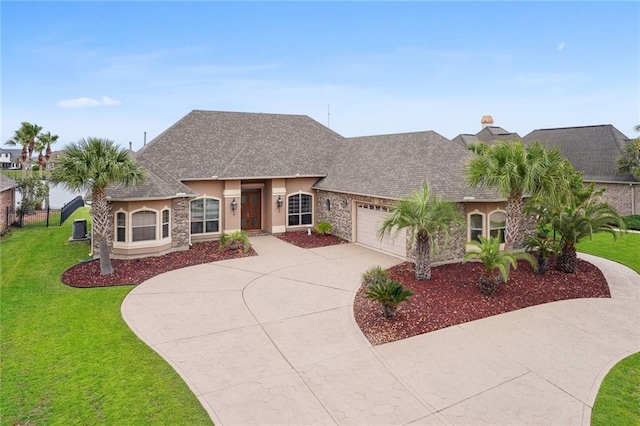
x=369, y=218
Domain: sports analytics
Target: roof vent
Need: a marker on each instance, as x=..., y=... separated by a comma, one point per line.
x=486, y=121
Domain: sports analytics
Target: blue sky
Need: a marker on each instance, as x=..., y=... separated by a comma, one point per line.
x=118, y=69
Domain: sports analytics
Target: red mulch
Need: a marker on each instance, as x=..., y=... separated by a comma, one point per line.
x=301, y=239
x=136, y=271
x=452, y=297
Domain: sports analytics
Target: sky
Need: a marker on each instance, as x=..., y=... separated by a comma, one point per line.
x=118, y=69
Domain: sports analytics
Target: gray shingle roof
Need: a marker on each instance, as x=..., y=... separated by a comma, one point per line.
x=6, y=183
x=392, y=166
x=233, y=145
x=488, y=135
x=591, y=149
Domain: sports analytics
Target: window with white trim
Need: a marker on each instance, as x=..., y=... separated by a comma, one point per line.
x=300, y=209
x=205, y=215
x=121, y=227
x=476, y=226
x=143, y=225
x=498, y=224
x=165, y=223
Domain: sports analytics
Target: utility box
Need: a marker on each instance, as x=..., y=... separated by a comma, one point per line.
x=79, y=229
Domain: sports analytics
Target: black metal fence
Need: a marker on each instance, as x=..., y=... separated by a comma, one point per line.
x=45, y=217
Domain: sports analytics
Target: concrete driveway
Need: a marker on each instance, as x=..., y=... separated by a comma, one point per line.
x=271, y=340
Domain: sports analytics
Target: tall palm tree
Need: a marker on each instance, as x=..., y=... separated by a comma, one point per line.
x=93, y=164
x=628, y=162
x=580, y=220
x=516, y=171
x=426, y=218
x=45, y=140
x=26, y=136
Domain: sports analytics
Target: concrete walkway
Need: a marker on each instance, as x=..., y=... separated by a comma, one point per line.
x=271, y=340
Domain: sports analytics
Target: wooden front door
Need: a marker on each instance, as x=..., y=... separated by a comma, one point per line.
x=250, y=209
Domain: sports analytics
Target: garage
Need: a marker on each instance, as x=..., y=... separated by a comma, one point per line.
x=369, y=217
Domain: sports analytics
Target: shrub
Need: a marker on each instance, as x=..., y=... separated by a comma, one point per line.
x=235, y=240
x=323, y=228
x=544, y=247
x=632, y=222
x=375, y=275
x=389, y=294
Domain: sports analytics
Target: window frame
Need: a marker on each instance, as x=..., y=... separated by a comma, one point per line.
x=154, y=226
x=164, y=224
x=483, y=231
x=118, y=227
x=300, y=213
x=204, y=216
x=504, y=229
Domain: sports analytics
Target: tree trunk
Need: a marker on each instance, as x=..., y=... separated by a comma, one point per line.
x=488, y=285
x=566, y=262
x=388, y=311
x=101, y=228
x=514, y=213
x=423, y=256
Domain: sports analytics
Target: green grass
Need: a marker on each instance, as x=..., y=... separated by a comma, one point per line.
x=13, y=174
x=618, y=401
x=626, y=250
x=67, y=355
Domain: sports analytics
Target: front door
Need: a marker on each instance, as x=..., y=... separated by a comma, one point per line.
x=250, y=209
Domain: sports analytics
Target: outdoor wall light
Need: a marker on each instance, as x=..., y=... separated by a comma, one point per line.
x=344, y=202
x=279, y=202
x=234, y=206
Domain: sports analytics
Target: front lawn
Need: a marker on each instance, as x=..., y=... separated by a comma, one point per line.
x=626, y=250
x=618, y=401
x=67, y=355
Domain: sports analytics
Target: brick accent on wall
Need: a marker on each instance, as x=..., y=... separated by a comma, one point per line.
x=622, y=196
x=7, y=199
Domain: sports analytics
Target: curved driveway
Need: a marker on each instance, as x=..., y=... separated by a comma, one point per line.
x=271, y=340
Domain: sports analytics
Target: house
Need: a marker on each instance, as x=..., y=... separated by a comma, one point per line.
x=214, y=172
x=10, y=158
x=489, y=134
x=593, y=150
x=7, y=200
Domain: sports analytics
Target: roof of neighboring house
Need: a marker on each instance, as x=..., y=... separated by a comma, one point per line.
x=591, y=149
x=488, y=135
x=15, y=152
x=6, y=183
x=229, y=145
x=393, y=166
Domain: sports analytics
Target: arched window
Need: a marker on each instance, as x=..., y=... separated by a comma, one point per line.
x=205, y=215
x=143, y=225
x=476, y=226
x=300, y=209
x=498, y=224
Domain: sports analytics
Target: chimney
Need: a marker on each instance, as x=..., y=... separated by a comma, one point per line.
x=145, y=138
x=130, y=146
x=486, y=121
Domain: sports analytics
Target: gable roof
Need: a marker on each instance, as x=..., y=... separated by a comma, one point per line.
x=590, y=149
x=228, y=145
x=488, y=135
x=6, y=183
x=392, y=166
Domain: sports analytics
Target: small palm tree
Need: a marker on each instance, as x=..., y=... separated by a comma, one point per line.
x=425, y=217
x=629, y=160
x=544, y=247
x=235, y=240
x=495, y=261
x=575, y=223
x=389, y=294
x=94, y=164
x=516, y=171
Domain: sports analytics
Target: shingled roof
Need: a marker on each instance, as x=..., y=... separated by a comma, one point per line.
x=6, y=183
x=488, y=135
x=392, y=166
x=233, y=145
x=590, y=149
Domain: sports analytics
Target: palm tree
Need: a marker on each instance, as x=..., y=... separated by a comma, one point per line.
x=45, y=140
x=93, y=164
x=516, y=171
x=495, y=260
x=628, y=162
x=578, y=221
x=425, y=218
x=26, y=137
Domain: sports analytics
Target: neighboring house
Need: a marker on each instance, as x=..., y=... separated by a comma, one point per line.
x=7, y=200
x=10, y=158
x=489, y=134
x=215, y=172
x=593, y=150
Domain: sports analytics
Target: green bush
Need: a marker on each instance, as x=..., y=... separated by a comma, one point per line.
x=323, y=228
x=375, y=275
x=389, y=294
x=632, y=222
x=235, y=240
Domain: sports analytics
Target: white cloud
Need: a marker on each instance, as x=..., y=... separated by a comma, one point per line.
x=85, y=102
x=561, y=46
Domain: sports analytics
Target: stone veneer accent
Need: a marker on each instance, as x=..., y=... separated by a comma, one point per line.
x=180, y=223
x=622, y=196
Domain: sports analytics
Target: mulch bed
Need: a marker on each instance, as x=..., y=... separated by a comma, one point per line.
x=452, y=297
x=301, y=239
x=136, y=271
